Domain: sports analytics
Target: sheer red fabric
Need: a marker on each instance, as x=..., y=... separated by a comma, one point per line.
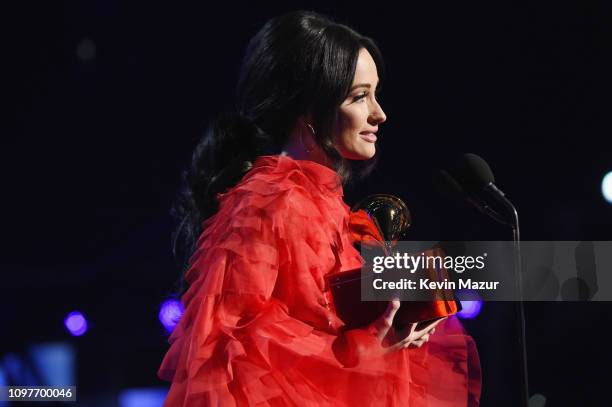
x=257, y=328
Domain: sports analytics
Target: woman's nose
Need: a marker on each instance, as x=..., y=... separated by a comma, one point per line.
x=378, y=115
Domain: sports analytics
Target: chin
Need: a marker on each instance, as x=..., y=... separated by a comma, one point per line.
x=367, y=152
x=361, y=155
x=359, y=151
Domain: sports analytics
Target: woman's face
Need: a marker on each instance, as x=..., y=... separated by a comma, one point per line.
x=360, y=113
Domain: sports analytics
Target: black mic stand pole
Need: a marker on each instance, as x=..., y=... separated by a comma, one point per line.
x=492, y=188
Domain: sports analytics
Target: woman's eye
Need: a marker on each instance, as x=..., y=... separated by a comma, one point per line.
x=360, y=96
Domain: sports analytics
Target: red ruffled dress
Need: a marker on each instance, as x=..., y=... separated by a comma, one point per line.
x=257, y=328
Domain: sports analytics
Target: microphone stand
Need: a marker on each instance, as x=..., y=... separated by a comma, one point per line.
x=477, y=169
x=500, y=196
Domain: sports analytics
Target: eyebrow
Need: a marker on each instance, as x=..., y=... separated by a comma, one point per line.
x=363, y=85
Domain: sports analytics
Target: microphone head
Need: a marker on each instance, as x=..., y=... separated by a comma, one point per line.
x=474, y=173
x=446, y=185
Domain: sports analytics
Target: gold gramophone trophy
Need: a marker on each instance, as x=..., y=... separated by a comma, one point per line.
x=378, y=222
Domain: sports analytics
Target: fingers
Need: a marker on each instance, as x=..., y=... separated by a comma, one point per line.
x=419, y=342
x=423, y=339
x=437, y=322
x=415, y=344
x=410, y=342
x=384, y=323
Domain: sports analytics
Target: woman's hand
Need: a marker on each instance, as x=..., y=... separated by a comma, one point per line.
x=393, y=340
x=353, y=346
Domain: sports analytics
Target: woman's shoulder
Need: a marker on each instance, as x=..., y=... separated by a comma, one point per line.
x=283, y=195
x=286, y=171
x=284, y=182
x=283, y=203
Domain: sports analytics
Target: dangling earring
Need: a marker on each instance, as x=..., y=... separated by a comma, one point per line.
x=312, y=130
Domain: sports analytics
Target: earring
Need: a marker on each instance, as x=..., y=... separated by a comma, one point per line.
x=312, y=130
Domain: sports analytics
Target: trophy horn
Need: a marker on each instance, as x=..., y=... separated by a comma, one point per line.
x=389, y=214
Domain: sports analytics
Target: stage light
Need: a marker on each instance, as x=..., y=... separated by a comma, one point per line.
x=471, y=309
x=606, y=187
x=471, y=304
x=170, y=313
x=3, y=382
x=144, y=397
x=76, y=323
x=537, y=400
x=18, y=370
x=3, y=378
x=54, y=363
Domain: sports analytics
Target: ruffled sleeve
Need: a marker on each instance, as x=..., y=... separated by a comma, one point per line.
x=255, y=295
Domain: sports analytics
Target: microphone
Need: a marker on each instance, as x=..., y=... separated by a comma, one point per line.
x=474, y=173
x=476, y=176
x=447, y=186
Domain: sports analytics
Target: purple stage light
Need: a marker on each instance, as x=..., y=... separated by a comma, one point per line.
x=142, y=397
x=471, y=309
x=471, y=303
x=170, y=313
x=76, y=323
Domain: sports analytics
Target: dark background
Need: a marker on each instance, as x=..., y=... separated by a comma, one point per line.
x=94, y=146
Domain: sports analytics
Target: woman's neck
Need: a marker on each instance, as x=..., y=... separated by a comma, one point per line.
x=296, y=149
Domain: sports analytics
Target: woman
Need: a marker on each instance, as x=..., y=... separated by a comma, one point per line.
x=265, y=203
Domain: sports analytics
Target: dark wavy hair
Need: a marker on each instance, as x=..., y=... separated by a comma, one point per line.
x=299, y=63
